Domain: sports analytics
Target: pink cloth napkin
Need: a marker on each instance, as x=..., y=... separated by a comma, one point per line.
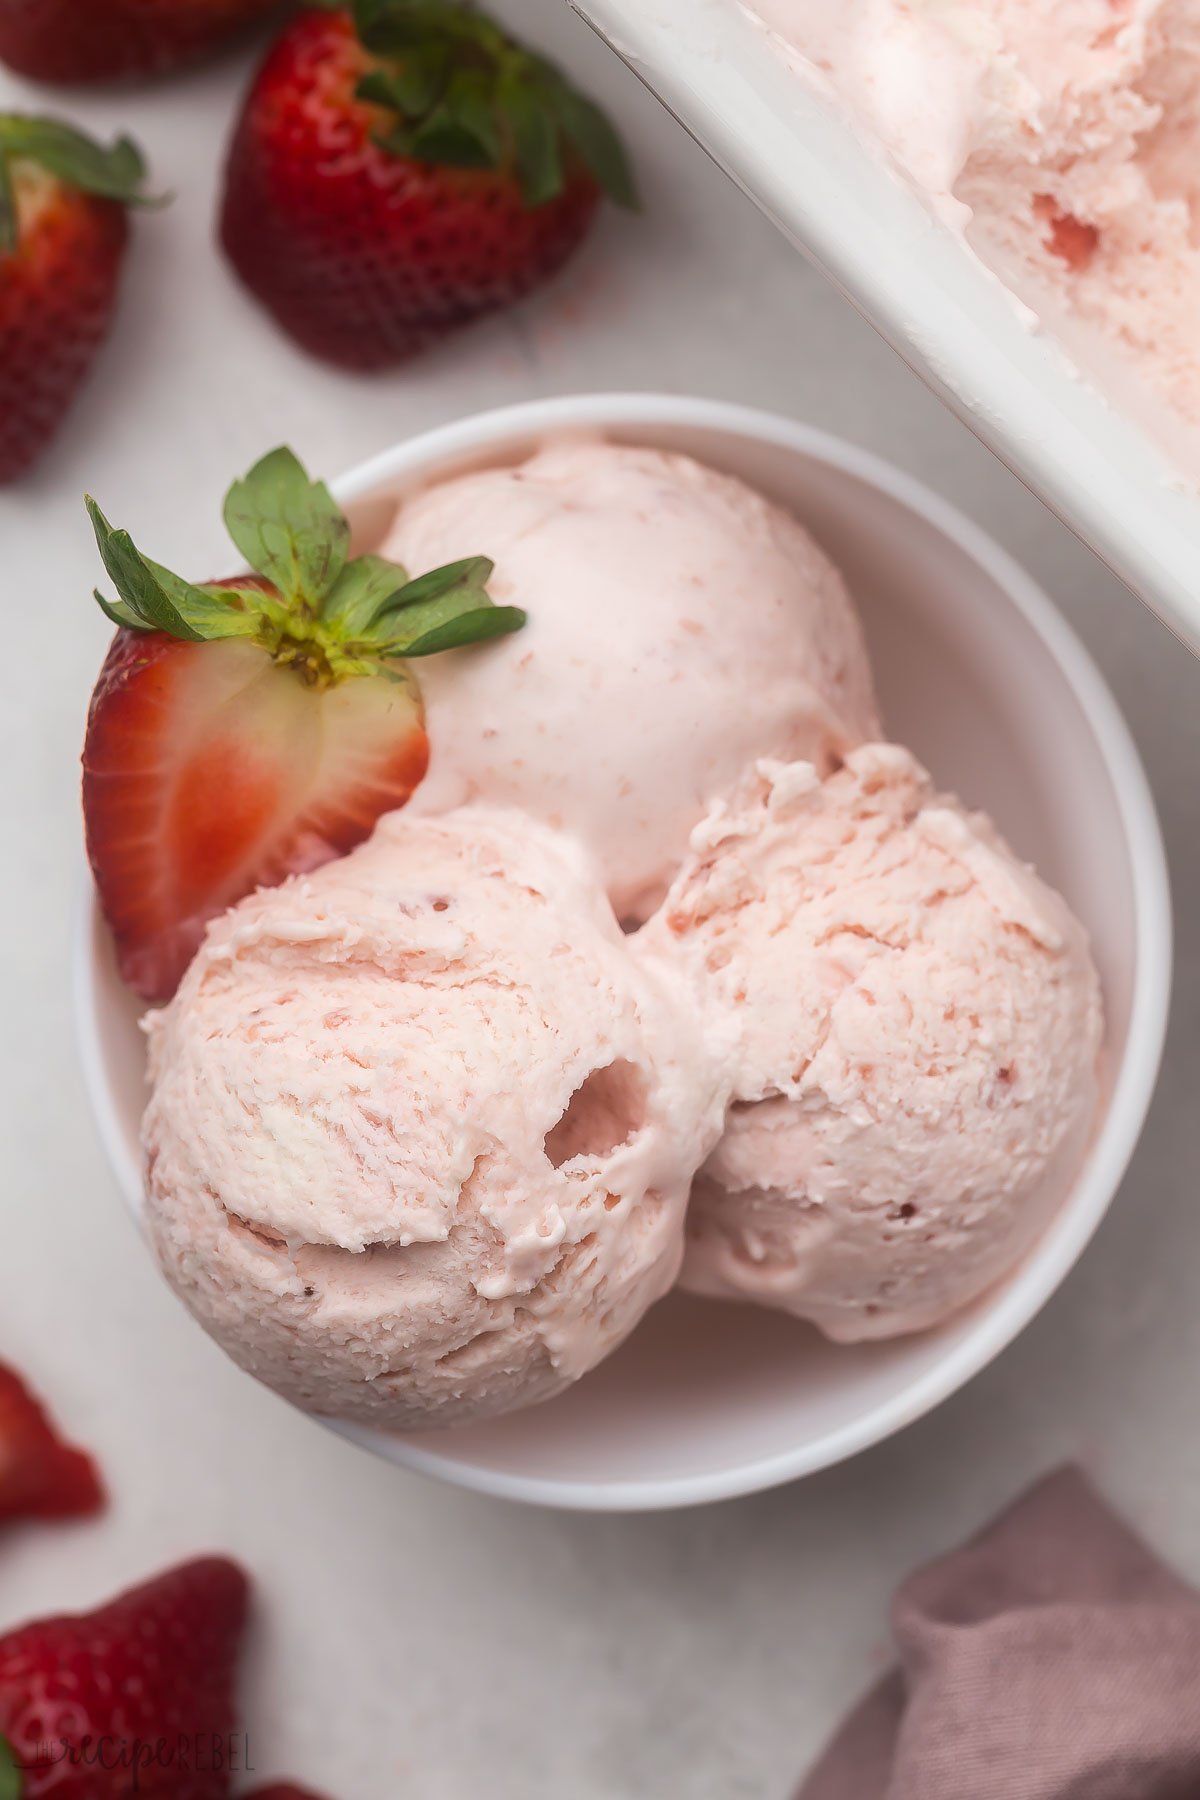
x=1054, y=1658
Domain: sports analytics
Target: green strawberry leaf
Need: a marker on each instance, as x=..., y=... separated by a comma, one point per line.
x=11, y=1783
x=461, y=130
x=391, y=26
x=153, y=599
x=238, y=611
x=470, y=576
x=119, y=613
x=360, y=594
x=591, y=132
x=398, y=672
x=411, y=88
x=373, y=16
x=288, y=528
x=382, y=89
x=469, y=103
x=445, y=141
x=535, y=134
x=216, y=612
x=135, y=582
x=442, y=610
x=471, y=627
x=115, y=173
x=8, y=212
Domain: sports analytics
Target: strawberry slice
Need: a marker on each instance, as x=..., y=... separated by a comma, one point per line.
x=251, y=729
x=40, y=1476
x=135, y=1699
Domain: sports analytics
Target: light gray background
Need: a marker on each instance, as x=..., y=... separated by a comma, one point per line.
x=411, y=1639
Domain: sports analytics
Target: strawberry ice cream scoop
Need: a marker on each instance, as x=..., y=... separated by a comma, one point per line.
x=422, y=1131
x=911, y=1021
x=679, y=626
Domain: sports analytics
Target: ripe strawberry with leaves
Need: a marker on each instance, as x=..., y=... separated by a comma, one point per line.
x=404, y=166
x=242, y=731
x=114, y=40
x=40, y=1476
x=63, y=231
x=137, y=1698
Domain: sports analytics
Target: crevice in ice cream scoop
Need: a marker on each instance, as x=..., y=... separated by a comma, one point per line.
x=261, y=1235
x=605, y=1111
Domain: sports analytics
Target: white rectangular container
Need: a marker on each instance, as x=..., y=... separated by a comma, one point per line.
x=952, y=321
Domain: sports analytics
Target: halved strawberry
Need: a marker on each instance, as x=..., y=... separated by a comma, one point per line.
x=40, y=1476
x=250, y=729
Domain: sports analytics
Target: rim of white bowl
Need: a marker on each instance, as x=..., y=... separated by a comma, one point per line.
x=1013, y=1307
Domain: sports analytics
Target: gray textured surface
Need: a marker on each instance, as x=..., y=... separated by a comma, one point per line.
x=411, y=1639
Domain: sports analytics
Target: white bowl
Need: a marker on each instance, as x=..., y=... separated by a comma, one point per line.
x=1105, y=457
x=980, y=675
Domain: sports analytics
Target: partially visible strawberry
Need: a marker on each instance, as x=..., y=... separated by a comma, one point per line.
x=243, y=731
x=402, y=167
x=40, y=1476
x=283, y=1790
x=63, y=230
x=112, y=40
x=134, y=1699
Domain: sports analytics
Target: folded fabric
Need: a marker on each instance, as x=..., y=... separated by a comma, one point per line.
x=1054, y=1658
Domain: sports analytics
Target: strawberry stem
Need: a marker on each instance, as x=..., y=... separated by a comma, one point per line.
x=117, y=173
x=466, y=94
x=315, y=610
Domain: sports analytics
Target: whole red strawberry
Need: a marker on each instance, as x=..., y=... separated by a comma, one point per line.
x=403, y=167
x=112, y=40
x=40, y=1476
x=63, y=229
x=137, y=1698
x=246, y=730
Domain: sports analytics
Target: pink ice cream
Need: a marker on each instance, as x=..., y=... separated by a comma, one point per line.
x=1063, y=139
x=680, y=625
x=422, y=1131
x=911, y=1022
